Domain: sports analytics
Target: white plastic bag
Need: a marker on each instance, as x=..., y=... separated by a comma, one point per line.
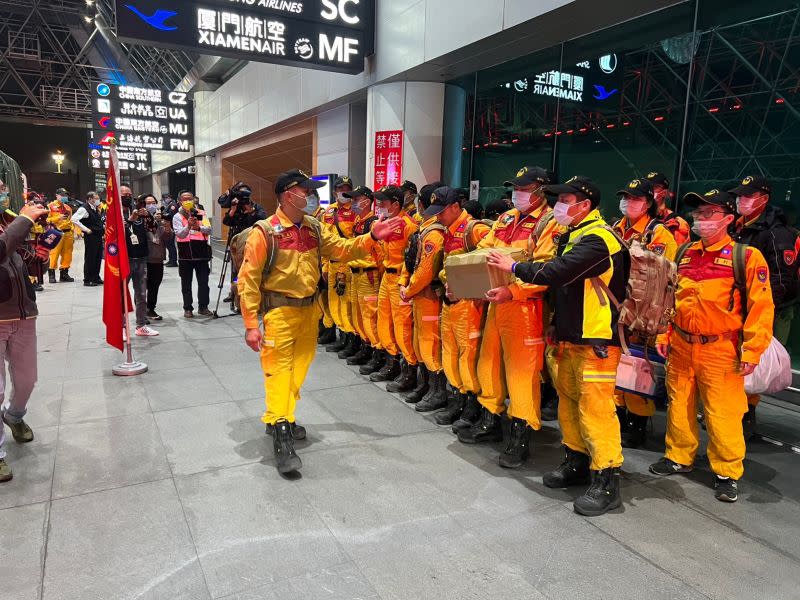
x=773, y=373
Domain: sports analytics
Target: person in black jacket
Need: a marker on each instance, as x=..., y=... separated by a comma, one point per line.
x=88, y=220
x=764, y=227
x=243, y=213
x=136, y=238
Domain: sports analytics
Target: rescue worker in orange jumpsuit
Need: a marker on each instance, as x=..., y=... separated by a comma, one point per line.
x=327, y=328
x=716, y=339
x=677, y=225
x=60, y=217
x=512, y=349
x=278, y=277
x=339, y=219
x=366, y=280
x=409, y=200
x=585, y=328
x=395, y=323
x=639, y=209
x=422, y=286
x=462, y=319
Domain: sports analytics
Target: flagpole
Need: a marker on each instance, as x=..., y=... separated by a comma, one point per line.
x=130, y=367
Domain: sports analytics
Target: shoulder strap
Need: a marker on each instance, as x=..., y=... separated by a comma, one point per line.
x=739, y=277
x=468, y=233
x=541, y=224
x=681, y=251
x=272, y=248
x=336, y=221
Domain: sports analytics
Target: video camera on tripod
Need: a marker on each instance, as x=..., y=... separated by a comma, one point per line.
x=238, y=195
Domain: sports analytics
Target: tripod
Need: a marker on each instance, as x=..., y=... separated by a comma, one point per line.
x=222, y=277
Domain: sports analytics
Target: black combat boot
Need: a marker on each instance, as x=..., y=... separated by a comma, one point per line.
x=407, y=380
x=375, y=363
x=51, y=275
x=422, y=386
x=327, y=336
x=436, y=397
x=389, y=371
x=487, y=429
x=455, y=406
x=286, y=459
x=635, y=432
x=602, y=495
x=352, y=347
x=362, y=356
x=573, y=471
x=518, y=449
x=549, y=402
x=64, y=276
x=339, y=344
x=471, y=413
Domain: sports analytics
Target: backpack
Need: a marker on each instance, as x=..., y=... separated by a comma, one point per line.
x=649, y=303
x=239, y=241
x=413, y=253
x=468, y=246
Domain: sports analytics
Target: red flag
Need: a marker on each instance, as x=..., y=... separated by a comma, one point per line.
x=117, y=269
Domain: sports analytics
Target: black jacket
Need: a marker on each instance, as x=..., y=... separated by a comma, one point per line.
x=586, y=251
x=241, y=221
x=137, y=228
x=776, y=241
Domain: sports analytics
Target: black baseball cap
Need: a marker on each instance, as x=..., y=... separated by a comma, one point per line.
x=496, y=207
x=426, y=191
x=62, y=190
x=294, y=177
x=342, y=180
x=392, y=193
x=361, y=190
x=528, y=175
x=408, y=186
x=655, y=178
x=638, y=188
x=752, y=184
x=441, y=198
x=576, y=185
x=714, y=197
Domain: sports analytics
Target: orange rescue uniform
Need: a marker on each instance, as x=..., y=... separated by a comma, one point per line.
x=340, y=220
x=711, y=370
x=61, y=218
x=366, y=280
x=286, y=297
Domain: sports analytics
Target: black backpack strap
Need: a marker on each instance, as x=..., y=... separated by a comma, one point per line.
x=336, y=222
x=739, y=277
x=681, y=251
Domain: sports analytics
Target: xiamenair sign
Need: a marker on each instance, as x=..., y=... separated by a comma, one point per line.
x=332, y=35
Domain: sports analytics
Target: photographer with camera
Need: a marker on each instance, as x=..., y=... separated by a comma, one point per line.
x=242, y=213
x=192, y=229
x=137, y=223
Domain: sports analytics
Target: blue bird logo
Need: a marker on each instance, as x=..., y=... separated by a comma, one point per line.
x=157, y=20
x=603, y=93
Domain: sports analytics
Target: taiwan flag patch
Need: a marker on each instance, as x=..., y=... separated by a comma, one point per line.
x=726, y=251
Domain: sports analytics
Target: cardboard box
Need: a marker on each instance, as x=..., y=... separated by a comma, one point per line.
x=469, y=276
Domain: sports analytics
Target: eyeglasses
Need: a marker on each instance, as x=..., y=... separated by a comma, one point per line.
x=705, y=213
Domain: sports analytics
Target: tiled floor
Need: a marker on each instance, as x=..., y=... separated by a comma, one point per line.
x=162, y=487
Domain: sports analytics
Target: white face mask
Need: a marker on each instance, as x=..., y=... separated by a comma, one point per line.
x=633, y=210
x=747, y=206
x=707, y=228
x=561, y=214
x=340, y=198
x=382, y=212
x=521, y=200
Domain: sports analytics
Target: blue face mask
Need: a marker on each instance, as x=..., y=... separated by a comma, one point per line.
x=312, y=205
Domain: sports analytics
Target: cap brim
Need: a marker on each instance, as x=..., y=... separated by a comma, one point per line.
x=693, y=200
x=312, y=184
x=743, y=190
x=433, y=210
x=560, y=188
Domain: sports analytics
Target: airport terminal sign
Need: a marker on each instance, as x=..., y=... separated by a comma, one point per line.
x=142, y=118
x=331, y=35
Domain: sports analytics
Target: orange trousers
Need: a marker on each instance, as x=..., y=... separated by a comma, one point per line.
x=427, y=310
x=339, y=306
x=395, y=323
x=364, y=302
x=711, y=372
x=586, y=411
x=462, y=327
x=511, y=360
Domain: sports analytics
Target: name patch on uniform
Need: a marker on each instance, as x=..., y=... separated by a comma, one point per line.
x=725, y=262
x=657, y=248
x=789, y=256
x=762, y=274
x=529, y=225
x=686, y=260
